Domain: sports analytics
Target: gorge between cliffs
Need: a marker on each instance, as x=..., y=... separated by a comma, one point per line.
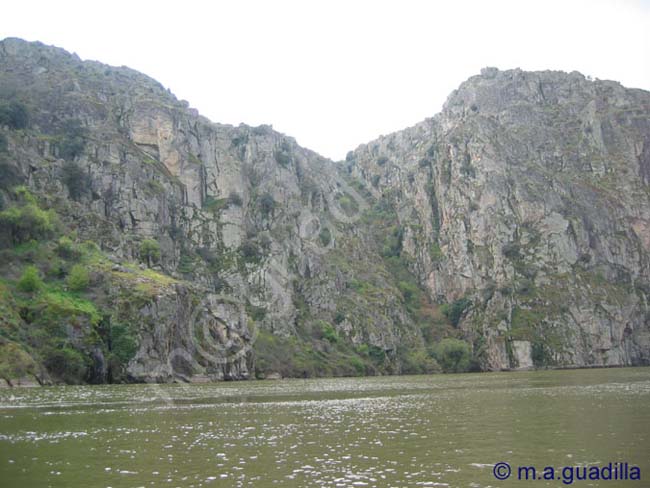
x=141, y=242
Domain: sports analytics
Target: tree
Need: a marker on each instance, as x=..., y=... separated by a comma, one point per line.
x=453, y=355
x=149, y=251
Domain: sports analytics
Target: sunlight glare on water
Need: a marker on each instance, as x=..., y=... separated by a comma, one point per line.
x=441, y=430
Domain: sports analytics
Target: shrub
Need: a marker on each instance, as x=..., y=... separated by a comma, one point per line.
x=30, y=281
x=392, y=245
x=455, y=311
x=235, y=199
x=215, y=205
x=541, y=354
x=382, y=160
x=76, y=179
x=283, y=154
x=325, y=236
x=283, y=158
x=15, y=362
x=120, y=345
x=11, y=175
x=329, y=332
x=78, y=278
x=435, y=253
x=453, y=355
x=66, y=363
x=149, y=251
x=249, y=251
x=14, y=114
x=66, y=248
x=411, y=294
x=416, y=361
x=511, y=250
x=3, y=143
x=267, y=204
x=349, y=157
x=348, y=204
x=27, y=222
x=154, y=187
x=73, y=140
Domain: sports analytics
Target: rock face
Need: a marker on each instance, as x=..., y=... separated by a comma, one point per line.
x=518, y=219
x=528, y=197
x=260, y=231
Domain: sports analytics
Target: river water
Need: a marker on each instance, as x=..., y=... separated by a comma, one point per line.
x=439, y=430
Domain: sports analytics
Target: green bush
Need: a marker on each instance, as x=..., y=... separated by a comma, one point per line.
x=417, y=362
x=11, y=174
x=73, y=139
x=78, y=279
x=250, y=251
x=30, y=281
x=453, y=355
x=411, y=294
x=3, y=143
x=15, y=362
x=329, y=332
x=149, y=251
x=267, y=204
x=67, y=249
x=120, y=345
x=454, y=312
x=14, y=114
x=66, y=363
x=77, y=181
x=435, y=253
x=27, y=221
x=325, y=236
x=348, y=204
x=392, y=245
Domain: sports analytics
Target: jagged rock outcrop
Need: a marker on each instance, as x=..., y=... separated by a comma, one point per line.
x=517, y=219
x=528, y=197
x=238, y=212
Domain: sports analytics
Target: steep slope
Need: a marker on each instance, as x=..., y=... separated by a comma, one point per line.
x=525, y=205
x=141, y=242
x=241, y=226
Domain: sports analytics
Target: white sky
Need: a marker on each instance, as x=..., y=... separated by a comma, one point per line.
x=338, y=73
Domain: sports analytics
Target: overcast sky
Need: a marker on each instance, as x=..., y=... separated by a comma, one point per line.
x=335, y=74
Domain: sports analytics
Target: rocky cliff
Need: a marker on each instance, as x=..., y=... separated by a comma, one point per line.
x=526, y=201
x=164, y=247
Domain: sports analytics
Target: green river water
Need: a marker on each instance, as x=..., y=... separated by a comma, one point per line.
x=439, y=430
